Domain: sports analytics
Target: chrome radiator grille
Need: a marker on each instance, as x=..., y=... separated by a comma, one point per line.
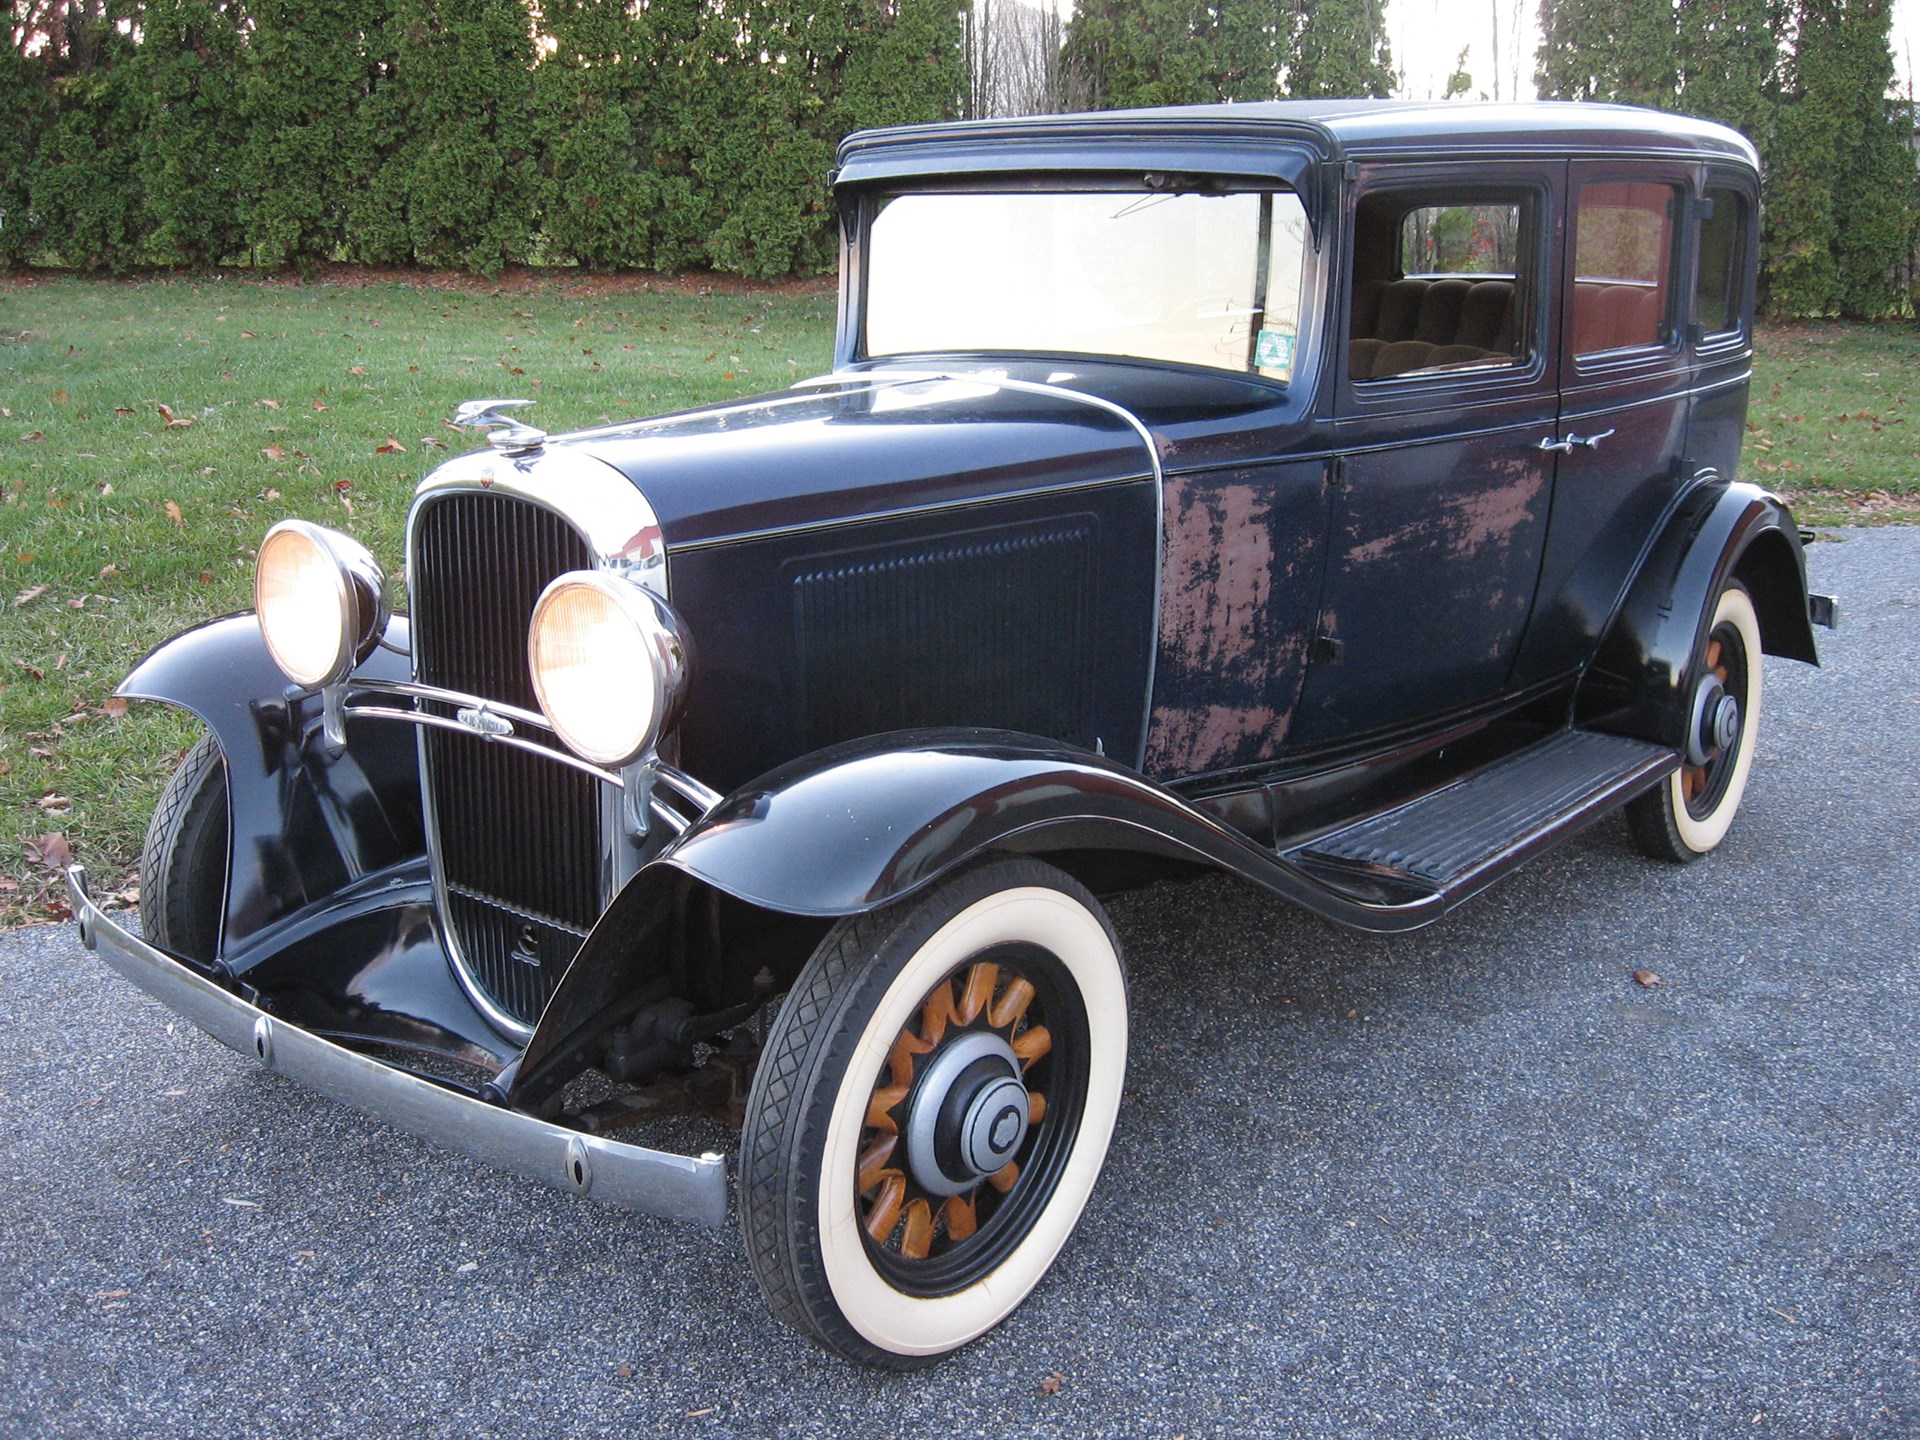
x=517, y=846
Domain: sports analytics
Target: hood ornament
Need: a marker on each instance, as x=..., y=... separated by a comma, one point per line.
x=503, y=431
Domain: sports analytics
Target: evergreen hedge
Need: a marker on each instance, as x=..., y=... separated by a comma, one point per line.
x=455, y=133
x=1807, y=81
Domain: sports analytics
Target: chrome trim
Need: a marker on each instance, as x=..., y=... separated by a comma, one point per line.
x=440, y=722
x=413, y=690
x=685, y=786
x=609, y=512
x=611, y=1172
x=504, y=432
x=1036, y=387
x=623, y=533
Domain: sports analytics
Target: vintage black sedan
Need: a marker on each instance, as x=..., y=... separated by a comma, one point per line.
x=1341, y=495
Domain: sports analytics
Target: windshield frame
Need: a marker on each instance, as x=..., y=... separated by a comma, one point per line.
x=855, y=300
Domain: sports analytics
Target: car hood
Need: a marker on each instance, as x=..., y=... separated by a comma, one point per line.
x=860, y=446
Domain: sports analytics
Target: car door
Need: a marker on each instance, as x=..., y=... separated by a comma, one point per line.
x=1441, y=488
x=1625, y=376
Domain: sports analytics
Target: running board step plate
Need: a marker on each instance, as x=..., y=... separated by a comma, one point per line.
x=1479, y=825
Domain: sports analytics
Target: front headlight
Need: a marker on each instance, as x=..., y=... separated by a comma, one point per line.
x=321, y=600
x=608, y=663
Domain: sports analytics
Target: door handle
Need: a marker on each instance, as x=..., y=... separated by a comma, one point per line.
x=1550, y=445
x=1590, y=442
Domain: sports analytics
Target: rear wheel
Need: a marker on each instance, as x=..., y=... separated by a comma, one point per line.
x=183, y=864
x=931, y=1111
x=1691, y=812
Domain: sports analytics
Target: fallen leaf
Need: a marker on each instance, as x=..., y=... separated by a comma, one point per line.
x=273, y=452
x=269, y=494
x=340, y=487
x=271, y=404
x=106, y=570
x=106, y=489
x=123, y=410
x=54, y=804
x=248, y=335
x=50, y=850
x=1646, y=979
x=34, y=435
x=33, y=670
x=174, y=422
x=59, y=397
x=318, y=406
x=31, y=593
x=391, y=447
x=356, y=369
x=430, y=440
x=1051, y=1385
x=172, y=508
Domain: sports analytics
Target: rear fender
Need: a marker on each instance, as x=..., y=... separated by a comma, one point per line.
x=305, y=820
x=1641, y=675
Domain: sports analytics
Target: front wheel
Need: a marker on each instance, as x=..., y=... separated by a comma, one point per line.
x=183, y=863
x=931, y=1111
x=1691, y=812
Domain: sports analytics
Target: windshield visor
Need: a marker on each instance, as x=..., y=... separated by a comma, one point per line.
x=1197, y=279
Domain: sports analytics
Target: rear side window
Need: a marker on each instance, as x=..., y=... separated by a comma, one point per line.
x=1623, y=266
x=1442, y=282
x=1723, y=235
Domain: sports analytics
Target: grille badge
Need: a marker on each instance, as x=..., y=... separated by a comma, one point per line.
x=483, y=721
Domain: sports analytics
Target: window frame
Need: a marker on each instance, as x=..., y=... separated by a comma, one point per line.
x=1586, y=173
x=1739, y=337
x=1535, y=186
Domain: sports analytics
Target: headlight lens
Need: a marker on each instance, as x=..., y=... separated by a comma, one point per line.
x=608, y=663
x=321, y=600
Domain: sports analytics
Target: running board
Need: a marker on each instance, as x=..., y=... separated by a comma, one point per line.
x=1461, y=838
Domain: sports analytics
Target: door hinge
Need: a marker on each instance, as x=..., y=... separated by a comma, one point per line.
x=1327, y=649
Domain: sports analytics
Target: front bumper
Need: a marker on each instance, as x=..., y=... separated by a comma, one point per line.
x=678, y=1187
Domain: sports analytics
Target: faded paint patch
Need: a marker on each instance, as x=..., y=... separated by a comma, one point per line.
x=1216, y=737
x=1224, y=662
x=1465, y=525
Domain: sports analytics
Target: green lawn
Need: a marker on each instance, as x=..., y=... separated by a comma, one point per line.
x=120, y=526
x=1831, y=423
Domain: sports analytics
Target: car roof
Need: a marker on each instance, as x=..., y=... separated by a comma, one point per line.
x=1329, y=129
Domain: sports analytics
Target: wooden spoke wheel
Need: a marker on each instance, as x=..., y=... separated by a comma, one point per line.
x=1691, y=813
x=931, y=1112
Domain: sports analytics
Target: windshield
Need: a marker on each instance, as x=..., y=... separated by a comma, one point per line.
x=1200, y=279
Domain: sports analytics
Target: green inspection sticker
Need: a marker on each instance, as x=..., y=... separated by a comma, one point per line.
x=1273, y=350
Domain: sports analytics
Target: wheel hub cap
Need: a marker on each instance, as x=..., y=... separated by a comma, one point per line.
x=969, y=1114
x=1716, y=720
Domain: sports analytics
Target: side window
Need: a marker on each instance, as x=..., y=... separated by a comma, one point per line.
x=1723, y=237
x=1623, y=266
x=1442, y=282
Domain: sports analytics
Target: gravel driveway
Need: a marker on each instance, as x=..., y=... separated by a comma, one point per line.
x=1473, y=1182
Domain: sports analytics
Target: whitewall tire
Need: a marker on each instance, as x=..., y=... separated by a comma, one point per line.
x=1690, y=813
x=932, y=1110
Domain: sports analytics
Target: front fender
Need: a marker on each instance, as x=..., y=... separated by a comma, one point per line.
x=306, y=820
x=1641, y=674
x=860, y=825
